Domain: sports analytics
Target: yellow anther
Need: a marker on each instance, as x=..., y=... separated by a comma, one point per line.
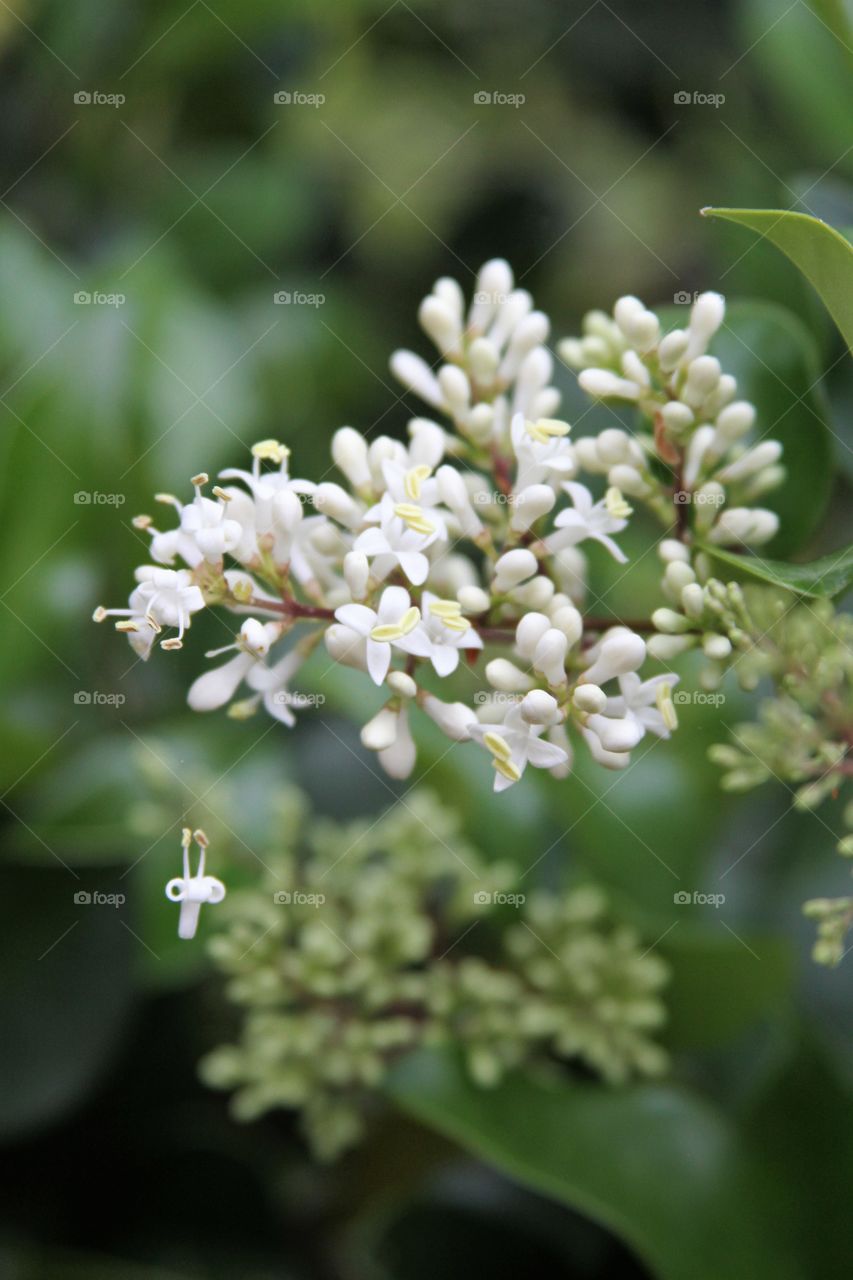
x=385, y=632
x=445, y=608
x=508, y=769
x=174, y=643
x=186, y=837
x=99, y=614
x=410, y=620
x=547, y=429
x=413, y=481
x=413, y=517
x=126, y=626
x=498, y=746
x=165, y=497
x=665, y=705
x=616, y=505
x=270, y=451
x=219, y=492
x=141, y=522
x=201, y=839
x=201, y=478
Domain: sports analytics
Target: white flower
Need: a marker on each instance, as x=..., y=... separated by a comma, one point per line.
x=193, y=890
x=446, y=631
x=647, y=702
x=586, y=519
x=403, y=535
x=164, y=598
x=515, y=742
x=542, y=450
x=271, y=684
x=395, y=623
x=213, y=689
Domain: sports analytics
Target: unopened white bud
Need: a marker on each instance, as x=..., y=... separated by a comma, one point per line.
x=453, y=718
x=628, y=480
x=679, y=574
x=665, y=648
x=670, y=549
x=693, y=600
x=334, y=501
x=670, y=622
x=706, y=316
x=530, y=630
x=530, y=505
x=677, y=417
x=473, y=599
x=349, y=453
x=602, y=384
x=483, y=361
x=620, y=651
x=549, y=656
x=439, y=323
x=416, y=374
x=568, y=620
x=380, y=732
x=507, y=677
x=346, y=646
x=716, y=647
x=539, y=707
x=672, y=349
x=613, y=446
x=513, y=568
x=734, y=421
x=590, y=699
x=428, y=442
x=401, y=682
x=455, y=388
x=356, y=573
x=535, y=594
x=762, y=455
x=615, y=734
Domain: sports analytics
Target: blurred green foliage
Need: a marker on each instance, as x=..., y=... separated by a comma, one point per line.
x=197, y=199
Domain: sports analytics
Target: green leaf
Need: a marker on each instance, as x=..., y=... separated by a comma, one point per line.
x=818, y=250
x=655, y=1164
x=827, y=577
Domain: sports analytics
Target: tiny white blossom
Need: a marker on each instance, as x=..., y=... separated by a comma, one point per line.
x=588, y=519
x=513, y=744
x=393, y=623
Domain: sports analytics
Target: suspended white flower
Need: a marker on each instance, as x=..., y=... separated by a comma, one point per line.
x=588, y=519
x=647, y=702
x=164, y=598
x=401, y=538
x=542, y=450
x=445, y=631
x=213, y=689
x=515, y=742
x=393, y=623
x=192, y=891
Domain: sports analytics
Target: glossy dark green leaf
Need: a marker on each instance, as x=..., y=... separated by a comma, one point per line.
x=829, y=576
x=823, y=255
x=657, y=1165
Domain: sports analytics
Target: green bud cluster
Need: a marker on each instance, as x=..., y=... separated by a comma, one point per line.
x=803, y=734
x=372, y=939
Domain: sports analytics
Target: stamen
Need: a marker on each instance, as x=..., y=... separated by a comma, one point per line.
x=413, y=516
x=665, y=705
x=498, y=746
x=507, y=768
x=414, y=479
x=547, y=429
x=270, y=451
x=616, y=505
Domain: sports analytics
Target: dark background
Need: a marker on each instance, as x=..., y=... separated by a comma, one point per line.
x=196, y=199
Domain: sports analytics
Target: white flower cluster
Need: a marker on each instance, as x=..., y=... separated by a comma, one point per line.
x=429, y=555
